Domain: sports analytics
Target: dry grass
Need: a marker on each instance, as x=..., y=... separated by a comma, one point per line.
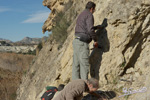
x=15, y=62
x=12, y=67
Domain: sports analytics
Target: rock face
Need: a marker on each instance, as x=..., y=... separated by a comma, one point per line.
x=55, y=6
x=122, y=62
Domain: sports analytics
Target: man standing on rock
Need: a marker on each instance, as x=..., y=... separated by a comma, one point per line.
x=84, y=34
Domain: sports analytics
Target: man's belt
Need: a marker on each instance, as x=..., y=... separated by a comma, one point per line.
x=76, y=37
x=82, y=39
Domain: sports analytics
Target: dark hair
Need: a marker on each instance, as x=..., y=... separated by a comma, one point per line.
x=94, y=82
x=90, y=5
x=61, y=87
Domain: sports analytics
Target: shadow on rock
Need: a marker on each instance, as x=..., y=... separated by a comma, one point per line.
x=96, y=55
x=105, y=95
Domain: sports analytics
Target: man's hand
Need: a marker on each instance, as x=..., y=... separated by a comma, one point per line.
x=98, y=27
x=95, y=44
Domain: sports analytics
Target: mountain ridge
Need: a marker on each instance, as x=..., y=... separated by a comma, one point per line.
x=28, y=40
x=25, y=41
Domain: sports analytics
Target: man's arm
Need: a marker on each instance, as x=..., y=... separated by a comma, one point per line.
x=90, y=24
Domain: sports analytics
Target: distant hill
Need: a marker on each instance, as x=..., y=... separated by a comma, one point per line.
x=28, y=40
x=6, y=40
x=24, y=41
x=1, y=39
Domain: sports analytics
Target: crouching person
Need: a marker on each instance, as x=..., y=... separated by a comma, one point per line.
x=74, y=90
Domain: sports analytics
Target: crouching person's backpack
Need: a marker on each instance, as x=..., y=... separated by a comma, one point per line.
x=49, y=94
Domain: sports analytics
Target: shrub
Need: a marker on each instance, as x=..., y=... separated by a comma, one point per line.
x=40, y=46
x=3, y=42
x=59, y=31
x=31, y=52
x=123, y=64
x=13, y=96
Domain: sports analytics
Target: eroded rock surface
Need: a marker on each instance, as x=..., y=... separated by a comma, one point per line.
x=122, y=62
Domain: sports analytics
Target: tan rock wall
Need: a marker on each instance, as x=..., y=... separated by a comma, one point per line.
x=123, y=61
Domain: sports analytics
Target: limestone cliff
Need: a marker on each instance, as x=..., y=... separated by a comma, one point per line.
x=122, y=62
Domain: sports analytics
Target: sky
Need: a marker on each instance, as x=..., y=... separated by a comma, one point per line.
x=22, y=18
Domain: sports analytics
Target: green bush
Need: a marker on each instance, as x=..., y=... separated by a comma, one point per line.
x=31, y=52
x=40, y=46
x=28, y=53
x=13, y=96
x=59, y=31
x=123, y=64
x=25, y=72
x=3, y=42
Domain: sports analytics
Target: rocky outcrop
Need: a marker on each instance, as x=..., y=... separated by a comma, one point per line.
x=122, y=62
x=55, y=6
